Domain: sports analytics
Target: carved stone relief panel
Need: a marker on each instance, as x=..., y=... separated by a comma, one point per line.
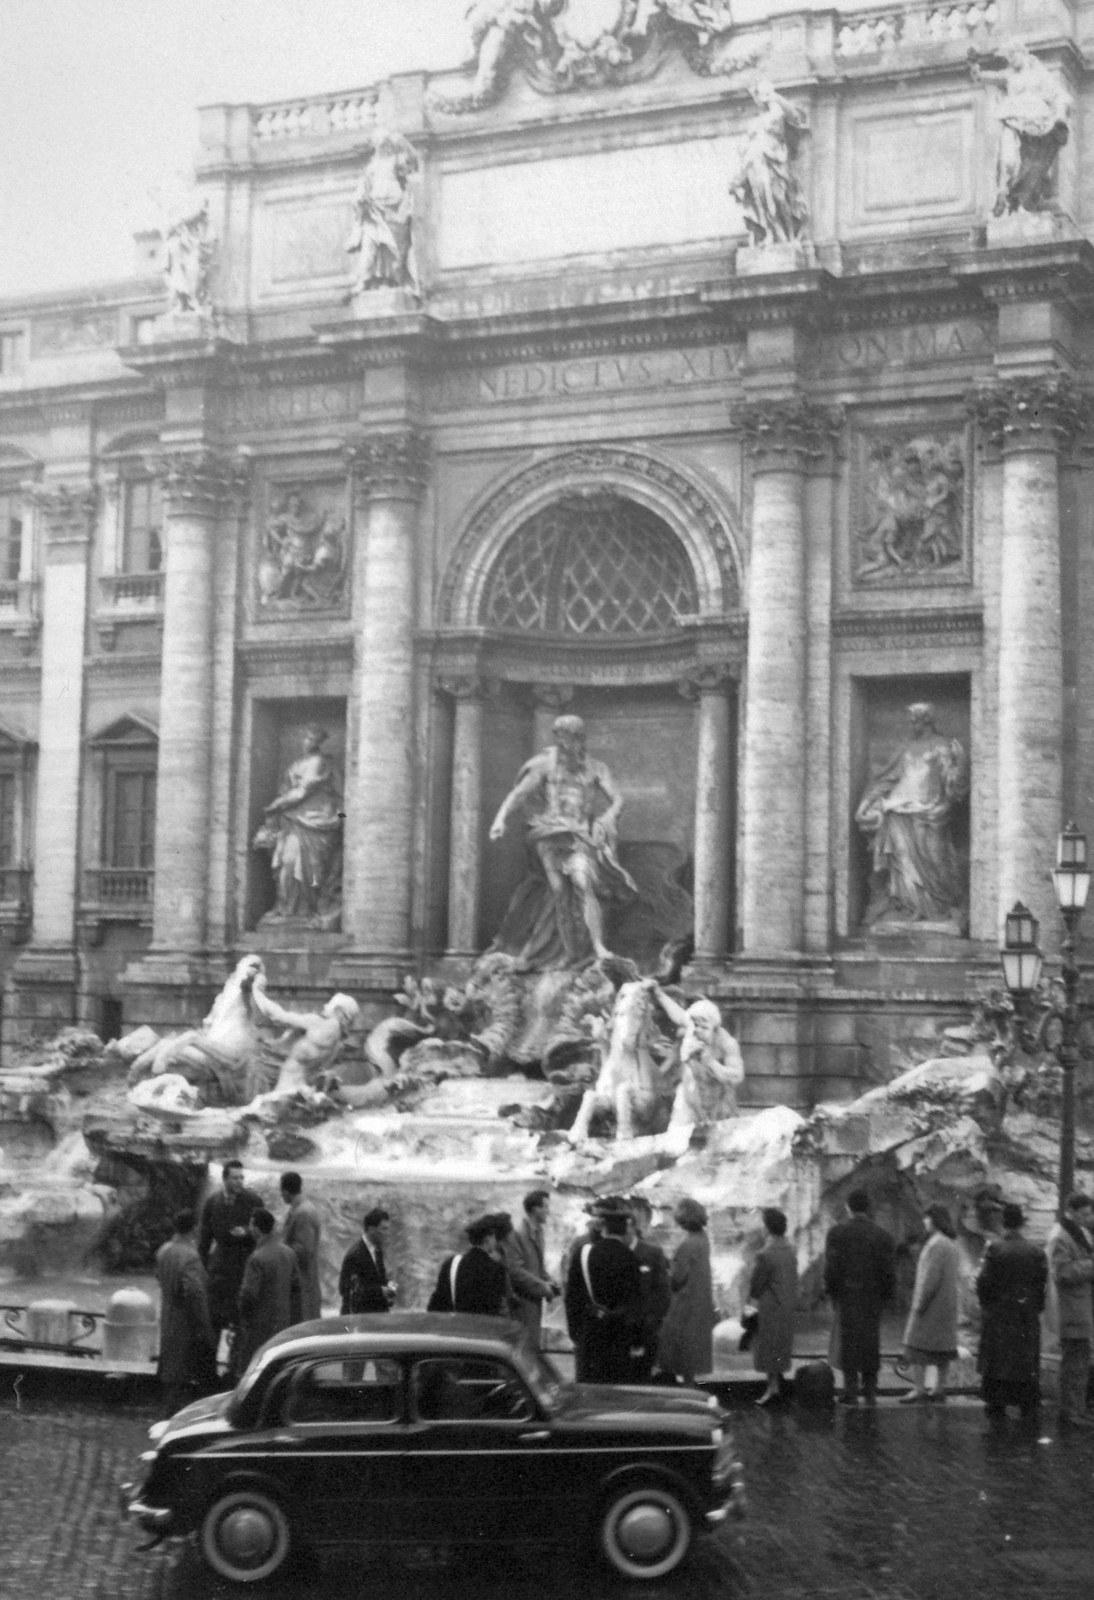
x=303, y=549
x=910, y=513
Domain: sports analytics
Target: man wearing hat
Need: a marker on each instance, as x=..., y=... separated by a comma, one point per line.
x=1011, y=1289
x=604, y=1300
x=475, y=1281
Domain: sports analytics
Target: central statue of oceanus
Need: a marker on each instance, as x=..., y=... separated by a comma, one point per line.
x=557, y=920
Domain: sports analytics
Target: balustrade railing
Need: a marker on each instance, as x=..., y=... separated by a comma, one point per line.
x=309, y=119
x=874, y=32
x=119, y=886
x=133, y=586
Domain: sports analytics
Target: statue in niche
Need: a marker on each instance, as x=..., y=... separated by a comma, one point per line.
x=573, y=807
x=382, y=237
x=765, y=184
x=1033, y=115
x=303, y=562
x=187, y=255
x=916, y=526
x=907, y=814
x=302, y=831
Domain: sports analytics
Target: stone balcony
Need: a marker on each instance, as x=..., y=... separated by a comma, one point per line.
x=115, y=894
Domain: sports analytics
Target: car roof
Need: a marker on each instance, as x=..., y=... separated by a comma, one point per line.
x=398, y=1332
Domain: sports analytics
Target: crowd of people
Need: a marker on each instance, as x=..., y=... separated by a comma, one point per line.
x=633, y=1315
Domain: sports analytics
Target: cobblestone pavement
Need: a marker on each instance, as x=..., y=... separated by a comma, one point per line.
x=912, y=1504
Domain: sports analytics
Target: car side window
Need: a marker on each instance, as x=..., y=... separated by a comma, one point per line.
x=456, y=1389
x=349, y=1390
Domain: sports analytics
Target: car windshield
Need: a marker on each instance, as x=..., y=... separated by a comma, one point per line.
x=540, y=1375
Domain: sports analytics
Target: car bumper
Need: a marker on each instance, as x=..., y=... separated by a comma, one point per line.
x=732, y=1500
x=154, y=1519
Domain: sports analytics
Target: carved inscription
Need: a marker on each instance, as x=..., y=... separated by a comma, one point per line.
x=273, y=407
x=551, y=380
x=860, y=349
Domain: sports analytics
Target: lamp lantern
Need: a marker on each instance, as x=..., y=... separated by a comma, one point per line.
x=1021, y=956
x=1071, y=875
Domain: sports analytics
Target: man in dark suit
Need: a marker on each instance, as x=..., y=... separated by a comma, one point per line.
x=363, y=1282
x=859, y=1277
x=575, y=1300
x=270, y=1295
x=605, y=1289
x=656, y=1294
x=225, y=1242
x=1011, y=1288
x=475, y=1281
x=188, y=1346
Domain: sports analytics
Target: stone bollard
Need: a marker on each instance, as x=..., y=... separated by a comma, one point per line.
x=50, y=1322
x=131, y=1328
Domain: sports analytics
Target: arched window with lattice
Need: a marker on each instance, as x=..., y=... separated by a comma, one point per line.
x=590, y=565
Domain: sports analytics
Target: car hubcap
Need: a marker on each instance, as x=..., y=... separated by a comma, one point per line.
x=247, y=1536
x=646, y=1532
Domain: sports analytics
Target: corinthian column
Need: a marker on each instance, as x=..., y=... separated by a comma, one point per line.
x=389, y=471
x=465, y=843
x=1030, y=418
x=782, y=438
x=194, y=487
x=67, y=513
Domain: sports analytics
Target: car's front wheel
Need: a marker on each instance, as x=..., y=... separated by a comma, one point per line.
x=645, y=1531
x=244, y=1536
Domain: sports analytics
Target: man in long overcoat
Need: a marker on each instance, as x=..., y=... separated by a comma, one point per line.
x=606, y=1284
x=859, y=1278
x=476, y=1281
x=1071, y=1263
x=653, y=1264
x=302, y=1233
x=533, y=1286
x=1011, y=1289
x=269, y=1297
x=188, y=1345
x=225, y=1242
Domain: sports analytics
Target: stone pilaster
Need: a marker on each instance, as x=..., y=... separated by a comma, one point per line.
x=783, y=438
x=1030, y=419
x=44, y=985
x=711, y=686
x=389, y=472
x=195, y=487
x=465, y=834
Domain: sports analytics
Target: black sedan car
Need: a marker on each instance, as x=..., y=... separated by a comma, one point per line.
x=416, y=1428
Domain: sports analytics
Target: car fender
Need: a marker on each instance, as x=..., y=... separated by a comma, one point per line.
x=650, y=1472
x=243, y=1478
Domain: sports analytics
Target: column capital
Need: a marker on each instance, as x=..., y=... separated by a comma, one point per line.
x=390, y=466
x=788, y=435
x=197, y=482
x=462, y=685
x=552, y=696
x=710, y=678
x=1044, y=412
x=68, y=512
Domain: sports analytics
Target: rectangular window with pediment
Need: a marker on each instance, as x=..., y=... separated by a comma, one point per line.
x=11, y=537
x=142, y=527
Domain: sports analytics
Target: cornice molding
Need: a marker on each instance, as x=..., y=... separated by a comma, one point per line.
x=326, y=649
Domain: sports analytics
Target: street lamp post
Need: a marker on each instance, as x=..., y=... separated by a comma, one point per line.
x=1022, y=961
x=1072, y=880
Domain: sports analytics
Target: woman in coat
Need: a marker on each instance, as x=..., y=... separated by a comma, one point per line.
x=773, y=1289
x=685, y=1345
x=930, y=1337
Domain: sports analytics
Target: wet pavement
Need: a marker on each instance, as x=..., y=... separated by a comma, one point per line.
x=902, y=1503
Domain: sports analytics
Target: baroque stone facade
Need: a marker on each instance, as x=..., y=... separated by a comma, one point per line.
x=725, y=384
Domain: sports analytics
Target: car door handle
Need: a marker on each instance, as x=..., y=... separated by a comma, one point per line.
x=537, y=1437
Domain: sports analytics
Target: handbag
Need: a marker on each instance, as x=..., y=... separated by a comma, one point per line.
x=750, y=1323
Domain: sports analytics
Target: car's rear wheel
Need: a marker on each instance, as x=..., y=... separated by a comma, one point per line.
x=645, y=1531
x=244, y=1536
